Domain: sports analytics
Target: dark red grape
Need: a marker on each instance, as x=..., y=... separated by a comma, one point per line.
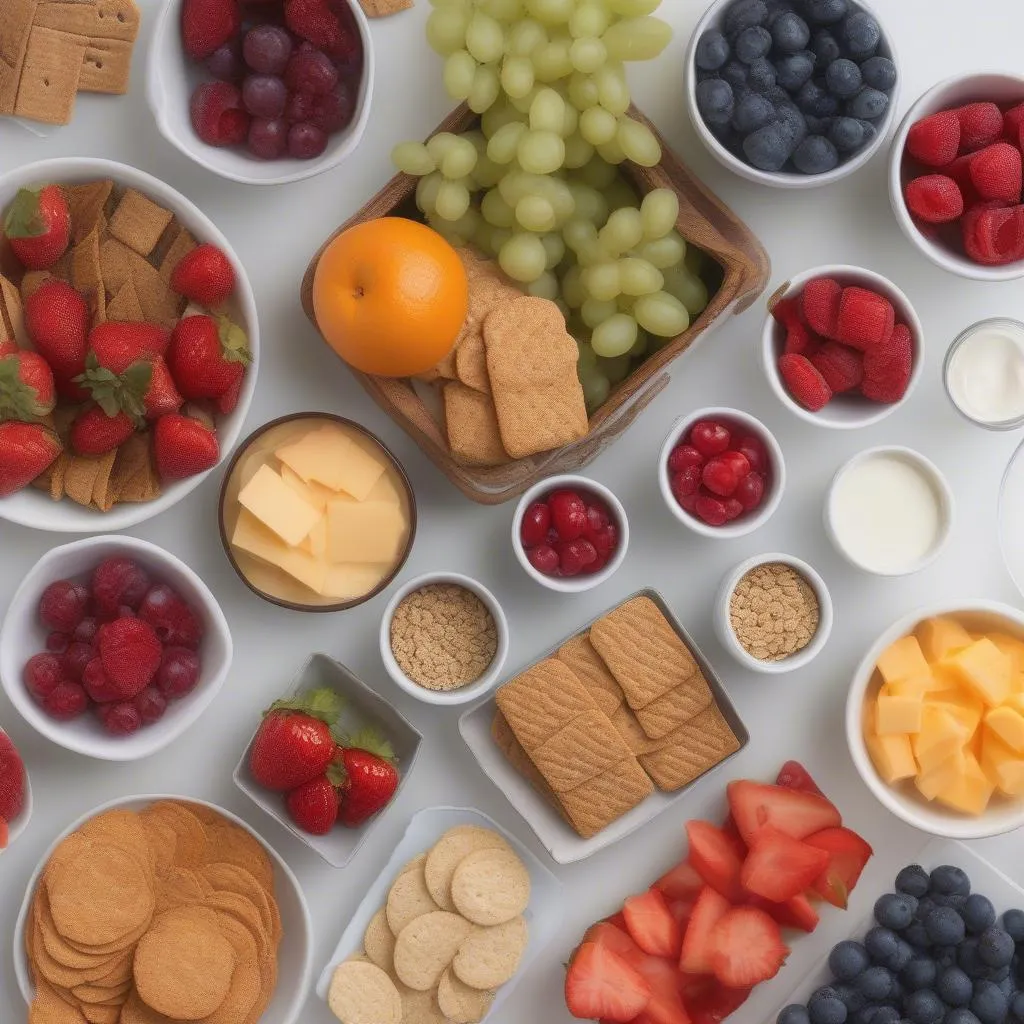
x=300, y=107
x=267, y=48
x=225, y=63
x=121, y=719
x=268, y=137
x=310, y=70
x=264, y=95
x=333, y=112
x=306, y=141
x=178, y=672
x=151, y=705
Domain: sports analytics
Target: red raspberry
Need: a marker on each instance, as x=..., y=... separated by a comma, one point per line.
x=800, y=341
x=534, y=527
x=993, y=234
x=820, y=304
x=996, y=172
x=865, y=318
x=575, y=555
x=841, y=366
x=934, y=198
x=1013, y=121
x=724, y=472
x=980, y=125
x=86, y=630
x=597, y=519
x=711, y=510
x=98, y=685
x=544, y=558
x=63, y=605
x=568, y=514
x=887, y=367
x=709, y=437
x=786, y=311
x=686, y=482
x=606, y=542
x=76, y=657
x=754, y=450
x=935, y=140
x=750, y=491
x=217, y=115
x=178, y=672
x=56, y=642
x=804, y=383
x=960, y=171
x=116, y=582
x=121, y=719
x=168, y=614
x=42, y=674
x=130, y=652
x=151, y=705
x=684, y=455
x=65, y=701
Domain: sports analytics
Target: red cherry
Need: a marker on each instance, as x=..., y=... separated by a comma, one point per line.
x=57, y=642
x=755, y=451
x=750, y=491
x=150, y=704
x=178, y=672
x=710, y=437
x=733, y=508
x=544, y=559
x=685, y=482
x=738, y=461
x=98, y=685
x=595, y=566
x=43, y=672
x=597, y=519
x=536, y=522
x=688, y=502
x=711, y=510
x=65, y=701
x=122, y=719
x=568, y=514
x=76, y=657
x=682, y=456
x=63, y=605
x=606, y=542
x=720, y=476
x=575, y=555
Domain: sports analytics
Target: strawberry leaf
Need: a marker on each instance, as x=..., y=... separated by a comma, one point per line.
x=323, y=704
x=233, y=342
x=24, y=217
x=370, y=740
x=336, y=774
x=115, y=393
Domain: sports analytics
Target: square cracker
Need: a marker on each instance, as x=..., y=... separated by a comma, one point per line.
x=119, y=264
x=606, y=797
x=86, y=203
x=182, y=245
x=691, y=750
x=472, y=426
x=107, y=67
x=12, y=314
x=50, y=76
x=679, y=705
x=471, y=360
x=139, y=222
x=579, y=654
x=585, y=747
x=16, y=20
x=125, y=305
x=87, y=277
x=505, y=740
x=629, y=728
x=94, y=19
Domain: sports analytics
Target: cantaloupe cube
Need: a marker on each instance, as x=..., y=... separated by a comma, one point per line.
x=1003, y=766
x=902, y=660
x=971, y=792
x=1015, y=701
x=941, y=737
x=892, y=756
x=941, y=636
x=912, y=686
x=1008, y=725
x=942, y=776
x=1012, y=647
x=962, y=704
x=985, y=669
x=898, y=716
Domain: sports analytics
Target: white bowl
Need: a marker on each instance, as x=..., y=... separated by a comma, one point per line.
x=723, y=621
x=1002, y=87
x=172, y=77
x=748, y=522
x=30, y=507
x=23, y=635
x=20, y=823
x=787, y=179
x=572, y=481
x=295, y=954
x=942, y=492
x=845, y=411
x=464, y=694
x=1002, y=815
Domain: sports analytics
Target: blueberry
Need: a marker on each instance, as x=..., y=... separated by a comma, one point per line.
x=967, y=958
x=955, y=900
x=715, y=101
x=886, y=1015
x=988, y=1003
x=825, y=50
x=790, y=32
x=904, y=954
x=870, y=131
x=954, y=987
x=865, y=1015
x=978, y=913
x=1017, y=1006
x=995, y=947
x=728, y=137
x=944, y=956
x=847, y=960
x=945, y=926
x=761, y=76
x=794, y=69
x=813, y=98
x=961, y=1015
x=869, y=105
x=766, y=149
x=736, y=74
x=1013, y=922
x=924, y=1007
x=847, y=135
x=916, y=934
x=859, y=35
x=825, y=1007
x=1007, y=987
x=913, y=880
x=827, y=12
x=881, y=944
x=793, y=1014
x=744, y=14
x=843, y=78
x=752, y=111
x=925, y=904
x=875, y=983
x=919, y=973
x=712, y=50
x=792, y=125
x=895, y=910
x=851, y=998
x=948, y=880
x=818, y=125
x=879, y=73
x=752, y=43
x=996, y=974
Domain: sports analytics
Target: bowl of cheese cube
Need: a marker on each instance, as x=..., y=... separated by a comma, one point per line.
x=935, y=719
x=316, y=514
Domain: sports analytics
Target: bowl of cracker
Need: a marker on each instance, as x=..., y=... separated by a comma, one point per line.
x=120, y=423
x=178, y=910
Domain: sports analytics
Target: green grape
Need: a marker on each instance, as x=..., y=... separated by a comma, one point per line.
x=413, y=158
x=452, y=200
x=586, y=361
x=595, y=390
x=551, y=12
x=570, y=121
x=459, y=71
x=496, y=211
x=505, y=141
x=687, y=287
x=641, y=344
x=446, y=29
x=582, y=91
x=587, y=54
x=694, y=260
x=622, y=231
x=545, y=287
x=460, y=159
x=663, y=252
x=487, y=173
x=638, y=142
x=572, y=287
x=516, y=76
x=640, y=38
x=633, y=8
x=598, y=174
x=438, y=145
x=461, y=4
x=660, y=211
x=547, y=112
x=598, y=126
x=602, y=281
x=554, y=249
x=497, y=239
x=426, y=191
x=638, y=277
x=525, y=36
x=616, y=370
x=541, y=152
x=620, y=194
x=589, y=203
x=661, y=314
x=535, y=214
x=485, y=91
x=589, y=19
x=484, y=38
x=522, y=257
x=579, y=233
x=517, y=184
x=467, y=225
x=578, y=151
x=612, y=89
x=522, y=103
x=615, y=336
x=501, y=114
x=551, y=61
x=508, y=11
x=594, y=312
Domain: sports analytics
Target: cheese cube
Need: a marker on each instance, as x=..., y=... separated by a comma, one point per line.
x=942, y=776
x=351, y=580
x=364, y=531
x=316, y=494
x=316, y=542
x=963, y=705
x=912, y=686
x=941, y=636
x=1008, y=725
x=252, y=536
x=985, y=669
x=898, y=715
x=971, y=791
x=902, y=659
x=1012, y=647
x=1015, y=701
x=278, y=507
x=892, y=756
x=386, y=489
x=330, y=457
x=1003, y=766
x=941, y=736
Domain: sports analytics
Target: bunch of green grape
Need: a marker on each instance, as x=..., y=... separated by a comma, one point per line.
x=538, y=186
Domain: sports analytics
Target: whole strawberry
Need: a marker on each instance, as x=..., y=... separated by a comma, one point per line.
x=12, y=779
x=130, y=338
x=208, y=24
x=57, y=321
x=26, y=387
x=294, y=744
x=317, y=22
x=183, y=447
x=204, y=276
x=95, y=432
x=130, y=653
x=26, y=450
x=207, y=356
x=313, y=806
x=38, y=226
x=370, y=777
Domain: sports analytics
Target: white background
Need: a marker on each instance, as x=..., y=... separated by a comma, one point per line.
x=275, y=230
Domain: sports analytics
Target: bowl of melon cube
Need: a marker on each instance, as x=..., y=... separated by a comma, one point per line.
x=935, y=719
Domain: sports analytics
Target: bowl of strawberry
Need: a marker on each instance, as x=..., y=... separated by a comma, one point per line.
x=112, y=647
x=721, y=472
x=841, y=346
x=570, y=533
x=955, y=173
x=262, y=93
x=15, y=793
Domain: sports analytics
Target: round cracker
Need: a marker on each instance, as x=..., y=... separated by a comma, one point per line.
x=447, y=854
x=408, y=899
x=491, y=887
x=490, y=956
x=459, y=1003
x=379, y=941
x=420, y=1007
x=361, y=993
x=426, y=946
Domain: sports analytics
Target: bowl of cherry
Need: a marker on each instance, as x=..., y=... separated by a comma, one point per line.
x=262, y=93
x=721, y=472
x=570, y=533
x=112, y=647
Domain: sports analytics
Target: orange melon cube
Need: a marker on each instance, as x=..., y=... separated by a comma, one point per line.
x=902, y=660
x=963, y=705
x=1008, y=725
x=984, y=669
x=942, y=776
x=1012, y=647
x=892, y=756
x=1003, y=766
x=898, y=715
x=940, y=738
x=941, y=636
x=912, y=686
x=971, y=790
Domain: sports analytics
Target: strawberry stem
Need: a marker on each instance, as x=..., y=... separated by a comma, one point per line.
x=233, y=341
x=24, y=218
x=370, y=740
x=323, y=704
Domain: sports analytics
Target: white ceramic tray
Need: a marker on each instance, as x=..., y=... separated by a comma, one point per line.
x=543, y=916
x=557, y=836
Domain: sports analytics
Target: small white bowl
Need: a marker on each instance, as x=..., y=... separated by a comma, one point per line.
x=845, y=411
x=1002, y=814
x=571, y=481
x=172, y=77
x=295, y=954
x=943, y=494
x=712, y=18
x=23, y=635
x=1002, y=87
x=33, y=508
x=20, y=823
x=464, y=694
x=723, y=620
x=748, y=522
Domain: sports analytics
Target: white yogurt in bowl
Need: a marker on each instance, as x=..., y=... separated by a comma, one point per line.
x=984, y=374
x=889, y=511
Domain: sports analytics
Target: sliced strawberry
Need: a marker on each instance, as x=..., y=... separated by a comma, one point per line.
x=651, y=925
x=715, y=859
x=682, y=911
x=696, y=954
x=798, y=814
x=793, y=775
x=666, y=1004
x=779, y=867
x=848, y=853
x=746, y=948
x=716, y=1003
x=732, y=833
x=4, y=834
x=615, y=939
x=798, y=912
x=618, y=920
x=681, y=882
x=599, y=983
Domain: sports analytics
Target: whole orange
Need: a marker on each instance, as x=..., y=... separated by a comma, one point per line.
x=390, y=296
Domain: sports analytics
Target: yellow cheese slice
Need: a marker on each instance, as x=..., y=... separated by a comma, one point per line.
x=984, y=669
x=941, y=636
x=328, y=456
x=970, y=792
x=316, y=542
x=316, y=494
x=898, y=716
x=364, y=531
x=252, y=536
x=349, y=580
x=278, y=507
x=386, y=489
x=1008, y=725
x=902, y=659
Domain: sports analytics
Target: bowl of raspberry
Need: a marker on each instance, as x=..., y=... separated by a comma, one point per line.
x=955, y=175
x=570, y=533
x=721, y=472
x=841, y=346
x=262, y=93
x=112, y=647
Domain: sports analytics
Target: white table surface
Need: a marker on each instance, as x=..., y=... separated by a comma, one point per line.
x=275, y=230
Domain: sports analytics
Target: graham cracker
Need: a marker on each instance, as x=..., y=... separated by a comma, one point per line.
x=86, y=203
x=606, y=797
x=587, y=746
x=384, y=8
x=107, y=66
x=472, y=425
x=471, y=360
x=579, y=654
x=87, y=278
x=134, y=476
x=119, y=264
x=16, y=20
x=541, y=700
x=125, y=305
x=691, y=750
x=679, y=705
x=139, y=222
x=12, y=314
x=629, y=728
x=95, y=19
x=516, y=755
x=180, y=247
x=31, y=281
x=50, y=75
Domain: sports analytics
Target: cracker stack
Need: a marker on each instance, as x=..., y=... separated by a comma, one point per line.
x=161, y=916
x=617, y=710
x=451, y=933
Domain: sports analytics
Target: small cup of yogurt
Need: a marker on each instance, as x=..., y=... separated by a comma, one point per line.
x=889, y=511
x=984, y=374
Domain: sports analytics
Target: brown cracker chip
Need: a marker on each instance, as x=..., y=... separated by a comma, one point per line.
x=472, y=425
x=134, y=476
x=95, y=19
x=505, y=740
x=488, y=957
x=672, y=709
x=87, y=277
x=384, y=8
x=448, y=852
x=183, y=243
x=361, y=993
x=541, y=700
x=125, y=305
x=31, y=283
x=691, y=750
x=629, y=728
x=119, y=264
x=579, y=654
x=491, y=886
x=471, y=361
x=605, y=798
x=86, y=203
x=138, y=222
x=585, y=747
x=12, y=314
x=427, y=945
x=50, y=75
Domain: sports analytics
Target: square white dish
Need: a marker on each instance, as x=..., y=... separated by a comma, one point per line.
x=556, y=835
x=362, y=707
x=543, y=915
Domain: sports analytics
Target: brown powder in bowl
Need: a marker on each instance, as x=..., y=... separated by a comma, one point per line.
x=443, y=636
x=773, y=612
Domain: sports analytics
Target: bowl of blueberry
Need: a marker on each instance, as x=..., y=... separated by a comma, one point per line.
x=791, y=93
